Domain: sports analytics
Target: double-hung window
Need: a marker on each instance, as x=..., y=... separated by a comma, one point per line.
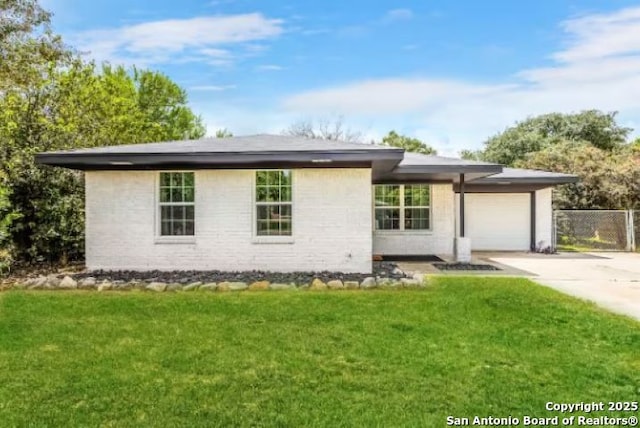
x=402, y=207
x=273, y=203
x=177, y=203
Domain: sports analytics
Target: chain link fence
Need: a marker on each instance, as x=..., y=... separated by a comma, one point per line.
x=636, y=229
x=596, y=230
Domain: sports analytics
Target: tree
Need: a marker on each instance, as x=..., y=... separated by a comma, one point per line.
x=393, y=139
x=471, y=154
x=537, y=133
x=223, y=133
x=76, y=106
x=27, y=44
x=324, y=129
x=608, y=180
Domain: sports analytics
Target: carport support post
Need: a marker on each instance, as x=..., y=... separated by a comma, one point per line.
x=462, y=243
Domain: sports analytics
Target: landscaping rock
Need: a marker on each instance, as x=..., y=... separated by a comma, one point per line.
x=384, y=282
x=335, y=284
x=174, y=287
x=52, y=281
x=368, y=282
x=37, y=283
x=210, y=286
x=88, y=282
x=193, y=286
x=122, y=286
x=156, y=286
x=223, y=286
x=351, y=285
x=317, y=284
x=410, y=282
x=397, y=271
x=104, y=286
x=278, y=286
x=259, y=285
x=68, y=283
x=238, y=286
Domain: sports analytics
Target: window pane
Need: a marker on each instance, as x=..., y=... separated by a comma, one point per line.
x=387, y=218
x=261, y=194
x=189, y=213
x=188, y=179
x=285, y=194
x=261, y=178
x=165, y=179
x=273, y=178
x=188, y=194
x=176, y=179
x=285, y=227
x=387, y=195
x=189, y=227
x=177, y=213
x=273, y=194
x=416, y=218
x=165, y=213
x=165, y=228
x=176, y=195
x=165, y=194
x=285, y=177
x=416, y=195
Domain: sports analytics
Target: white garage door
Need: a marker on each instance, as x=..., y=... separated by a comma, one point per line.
x=498, y=221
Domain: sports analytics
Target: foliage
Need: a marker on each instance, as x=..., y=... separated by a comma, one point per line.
x=76, y=106
x=608, y=180
x=288, y=358
x=27, y=44
x=223, y=133
x=393, y=139
x=324, y=129
x=471, y=154
x=537, y=133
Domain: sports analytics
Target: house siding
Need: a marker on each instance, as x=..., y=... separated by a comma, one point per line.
x=331, y=223
x=438, y=240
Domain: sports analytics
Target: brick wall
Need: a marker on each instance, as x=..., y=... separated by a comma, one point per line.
x=331, y=223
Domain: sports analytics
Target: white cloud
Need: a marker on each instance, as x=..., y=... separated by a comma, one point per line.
x=598, y=66
x=398, y=15
x=269, y=67
x=199, y=39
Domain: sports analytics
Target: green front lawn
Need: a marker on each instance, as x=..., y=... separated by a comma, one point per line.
x=463, y=347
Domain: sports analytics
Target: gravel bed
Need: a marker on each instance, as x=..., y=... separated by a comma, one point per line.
x=465, y=266
x=380, y=269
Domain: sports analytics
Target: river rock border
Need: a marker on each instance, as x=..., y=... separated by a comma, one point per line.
x=56, y=282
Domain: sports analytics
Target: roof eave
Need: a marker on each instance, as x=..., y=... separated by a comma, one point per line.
x=88, y=161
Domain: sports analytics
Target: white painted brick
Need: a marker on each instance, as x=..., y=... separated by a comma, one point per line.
x=544, y=218
x=331, y=223
x=439, y=240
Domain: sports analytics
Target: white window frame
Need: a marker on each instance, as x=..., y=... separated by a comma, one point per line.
x=174, y=239
x=271, y=239
x=402, y=209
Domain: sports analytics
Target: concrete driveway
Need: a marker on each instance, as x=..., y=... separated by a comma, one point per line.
x=611, y=280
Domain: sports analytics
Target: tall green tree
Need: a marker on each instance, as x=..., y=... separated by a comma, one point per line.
x=537, y=133
x=608, y=179
x=77, y=105
x=27, y=44
x=393, y=139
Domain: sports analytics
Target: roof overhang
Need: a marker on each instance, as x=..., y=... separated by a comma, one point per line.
x=202, y=160
x=438, y=173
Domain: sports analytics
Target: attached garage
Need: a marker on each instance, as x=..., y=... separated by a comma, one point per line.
x=498, y=221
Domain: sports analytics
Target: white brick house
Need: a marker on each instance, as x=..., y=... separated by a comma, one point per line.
x=279, y=203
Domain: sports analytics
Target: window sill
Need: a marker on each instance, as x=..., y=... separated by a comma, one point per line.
x=272, y=240
x=175, y=240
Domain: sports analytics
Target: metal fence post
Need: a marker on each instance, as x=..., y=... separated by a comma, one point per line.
x=632, y=234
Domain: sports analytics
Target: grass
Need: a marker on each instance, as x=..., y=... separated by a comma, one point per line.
x=463, y=347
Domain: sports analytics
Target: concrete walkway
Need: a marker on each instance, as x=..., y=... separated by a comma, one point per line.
x=611, y=280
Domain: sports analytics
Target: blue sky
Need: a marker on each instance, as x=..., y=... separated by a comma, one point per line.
x=449, y=72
